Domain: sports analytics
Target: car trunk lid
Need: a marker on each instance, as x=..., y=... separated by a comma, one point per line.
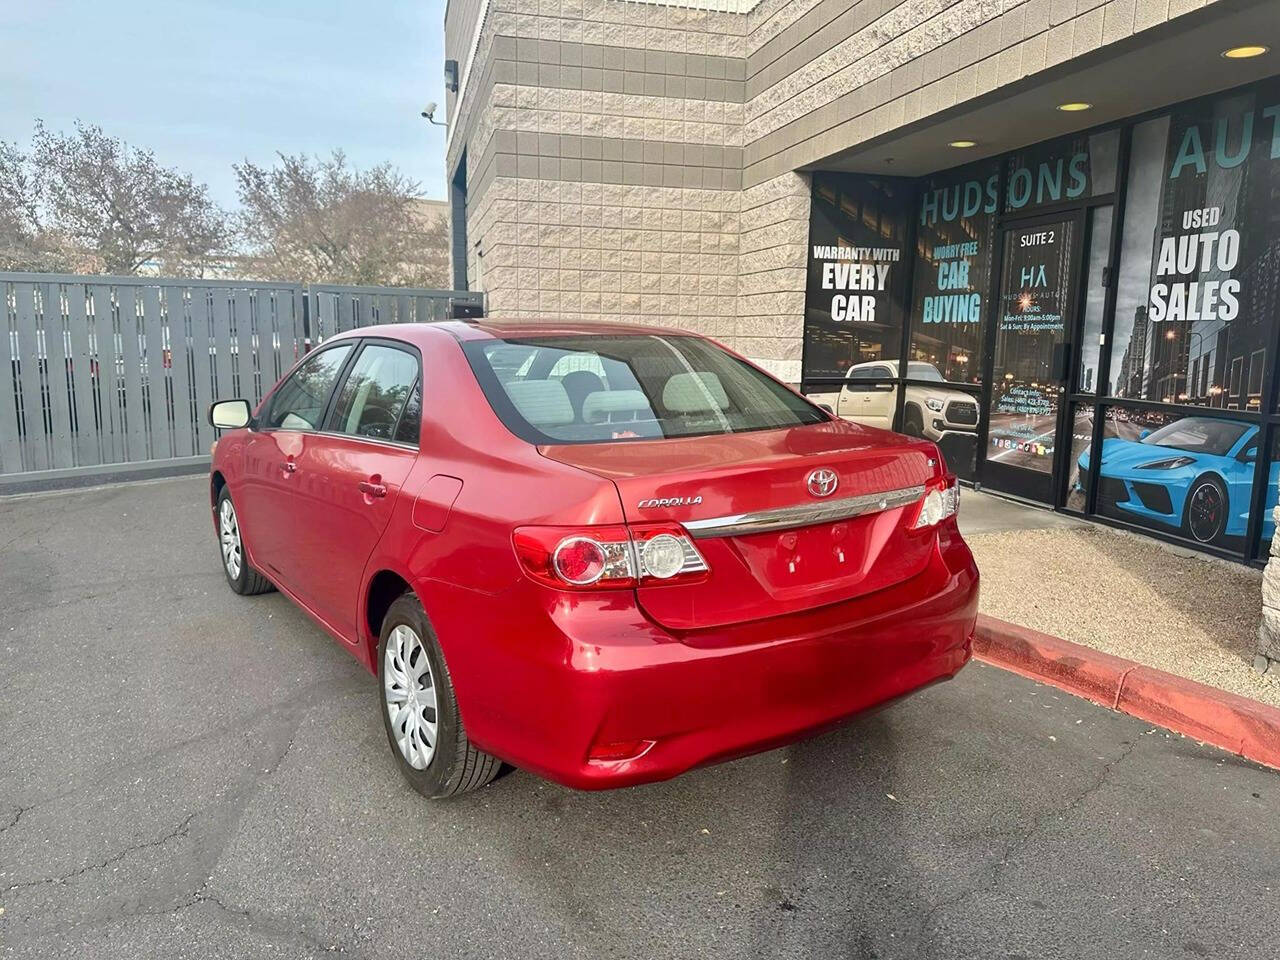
x=773, y=546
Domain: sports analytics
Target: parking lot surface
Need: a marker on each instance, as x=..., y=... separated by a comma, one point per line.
x=188, y=773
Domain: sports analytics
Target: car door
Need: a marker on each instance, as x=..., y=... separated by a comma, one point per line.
x=353, y=472
x=866, y=398
x=269, y=499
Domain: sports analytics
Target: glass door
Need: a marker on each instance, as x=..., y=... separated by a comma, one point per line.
x=1035, y=313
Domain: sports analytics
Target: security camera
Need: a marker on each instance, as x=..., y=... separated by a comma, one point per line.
x=429, y=111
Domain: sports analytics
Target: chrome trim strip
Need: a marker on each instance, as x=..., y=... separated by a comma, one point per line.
x=785, y=518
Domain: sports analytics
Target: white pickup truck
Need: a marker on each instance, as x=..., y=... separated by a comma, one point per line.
x=927, y=411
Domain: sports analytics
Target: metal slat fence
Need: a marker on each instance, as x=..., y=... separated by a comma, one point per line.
x=103, y=375
x=334, y=309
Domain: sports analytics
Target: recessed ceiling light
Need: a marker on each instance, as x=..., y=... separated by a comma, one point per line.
x=963, y=144
x=1245, y=52
x=1075, y=106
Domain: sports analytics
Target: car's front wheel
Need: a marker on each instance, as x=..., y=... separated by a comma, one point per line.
x=242, y=578
x=1206, y=513
x=419, y=709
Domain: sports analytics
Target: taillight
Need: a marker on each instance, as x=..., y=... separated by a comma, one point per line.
x=941, y=500
x=608, y=557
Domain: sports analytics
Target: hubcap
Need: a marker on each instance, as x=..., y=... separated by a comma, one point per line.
x=1205, y=507
x=230, y=530
x=410, y=694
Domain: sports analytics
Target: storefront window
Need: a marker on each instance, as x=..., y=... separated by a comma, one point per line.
x=1199, y=282
x=1037, y=294
x=955, y=232
x=857, y=280
x=1185, y=475
x=1061, y=171
x=1095, y=295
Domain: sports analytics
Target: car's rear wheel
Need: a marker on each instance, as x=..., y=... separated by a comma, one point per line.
x=1206, y=512
x=242, y=578
x=419, y=709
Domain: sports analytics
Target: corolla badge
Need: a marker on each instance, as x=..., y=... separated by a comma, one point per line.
x=822, y=482
x=669, y=502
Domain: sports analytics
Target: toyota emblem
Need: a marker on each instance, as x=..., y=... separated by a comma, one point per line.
x=822, y=482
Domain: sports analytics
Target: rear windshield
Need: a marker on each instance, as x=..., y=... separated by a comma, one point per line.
x=598, y=388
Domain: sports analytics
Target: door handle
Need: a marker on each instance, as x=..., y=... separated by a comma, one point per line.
x=371, y=489
x=288, y=466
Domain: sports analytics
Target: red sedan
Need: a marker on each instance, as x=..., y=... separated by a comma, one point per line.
x=604, y=554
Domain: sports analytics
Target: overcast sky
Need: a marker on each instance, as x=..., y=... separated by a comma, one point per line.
x=206, y=83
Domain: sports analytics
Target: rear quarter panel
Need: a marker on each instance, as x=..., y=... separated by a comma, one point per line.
x=481, y=605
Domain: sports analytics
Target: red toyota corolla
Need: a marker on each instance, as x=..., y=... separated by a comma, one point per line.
x=605, y=554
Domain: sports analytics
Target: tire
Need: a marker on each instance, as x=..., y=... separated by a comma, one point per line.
x=451, y=765
x=1205, y=514
x=912, y=422
x=241, y=577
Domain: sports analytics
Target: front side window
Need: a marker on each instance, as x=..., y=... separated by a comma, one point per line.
x=591, y=389
x=299, y=402
x=375, y=392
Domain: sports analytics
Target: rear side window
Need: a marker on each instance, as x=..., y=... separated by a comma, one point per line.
x=598, y=388
x=375, y=392
x=410, y=427
x=299, y=402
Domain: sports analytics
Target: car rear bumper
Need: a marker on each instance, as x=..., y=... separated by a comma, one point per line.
x=612, y=683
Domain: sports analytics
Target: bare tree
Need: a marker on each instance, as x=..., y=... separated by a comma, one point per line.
x=23, y=244
x=115, y=202
x=319, y=220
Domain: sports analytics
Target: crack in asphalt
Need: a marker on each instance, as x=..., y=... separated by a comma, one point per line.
x=267, y=924
x=1021, y=842
x=179, y=831
x=20, y=811
x=237, y=803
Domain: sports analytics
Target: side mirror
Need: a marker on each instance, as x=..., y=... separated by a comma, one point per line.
x=229, y=414
x=1144, y=434
x=1249, y=455
x=827, y=407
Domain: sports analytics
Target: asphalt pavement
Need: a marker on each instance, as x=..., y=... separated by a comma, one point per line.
x=188, y=773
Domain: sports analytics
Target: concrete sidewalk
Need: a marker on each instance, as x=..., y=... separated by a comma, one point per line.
x=1121, y=593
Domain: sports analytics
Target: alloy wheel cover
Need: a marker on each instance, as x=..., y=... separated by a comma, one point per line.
x=409, y=694
x=229, y=532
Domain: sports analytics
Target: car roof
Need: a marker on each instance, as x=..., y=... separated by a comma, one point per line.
x=498, y=329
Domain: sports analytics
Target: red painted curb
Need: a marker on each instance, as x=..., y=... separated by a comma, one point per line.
x=1237, y=724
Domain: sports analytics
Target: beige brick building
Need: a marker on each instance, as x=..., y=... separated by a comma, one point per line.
x=949, y=218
